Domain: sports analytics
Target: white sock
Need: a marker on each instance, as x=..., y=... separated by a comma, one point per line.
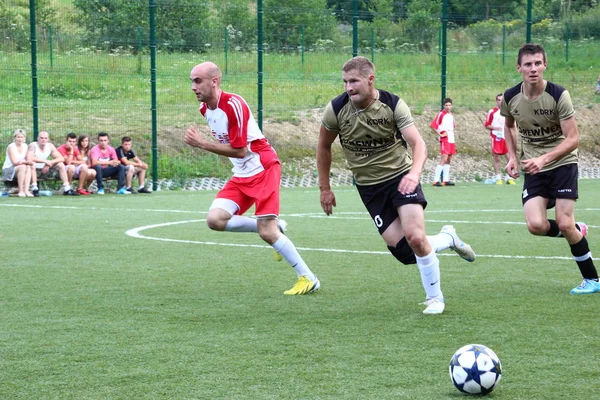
x=286, y=248
x=498, y=177
x=440, y=242
x=446, y=173
x=66, y=188
x=34, y=187
x=240, y=223
x=429, y=267
x=507, y=177
x=438, y=172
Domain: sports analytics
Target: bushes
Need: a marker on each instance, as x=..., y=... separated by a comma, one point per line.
x=586, y=25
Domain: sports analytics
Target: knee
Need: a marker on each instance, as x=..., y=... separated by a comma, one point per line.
x=215, y=223
x=567, y=227
x=269, y=235
x=537, y=228
x=417, y=242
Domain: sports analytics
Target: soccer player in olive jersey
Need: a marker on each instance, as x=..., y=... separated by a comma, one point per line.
x=543, y=114
x=374, y=128
x=256, y=172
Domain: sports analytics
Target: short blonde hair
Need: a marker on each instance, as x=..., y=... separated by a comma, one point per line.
x=363, y=65
x=19, y=132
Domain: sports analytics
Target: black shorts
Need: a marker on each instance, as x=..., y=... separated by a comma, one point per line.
x=383, y=199
x=559, y=183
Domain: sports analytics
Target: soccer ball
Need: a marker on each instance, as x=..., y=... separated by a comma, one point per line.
x=475, y=369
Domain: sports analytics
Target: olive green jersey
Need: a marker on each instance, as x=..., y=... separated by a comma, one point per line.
x=538, y=121
x=371, y=138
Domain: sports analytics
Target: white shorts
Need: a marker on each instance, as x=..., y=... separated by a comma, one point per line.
x=76, y=171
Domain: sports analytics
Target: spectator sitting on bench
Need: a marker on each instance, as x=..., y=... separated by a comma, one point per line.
x=106, y=164
x=133, y=166
x=75, y=166
x=16, y=164
x=45, y=168
x=83, y=145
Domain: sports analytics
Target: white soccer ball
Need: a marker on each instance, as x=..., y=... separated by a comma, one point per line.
x=475, y=369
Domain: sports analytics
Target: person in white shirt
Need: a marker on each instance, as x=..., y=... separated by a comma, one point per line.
x=16, y=164
x=47, y=167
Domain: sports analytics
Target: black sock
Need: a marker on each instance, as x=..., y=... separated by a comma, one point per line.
x=554, y=231
x=583, y=258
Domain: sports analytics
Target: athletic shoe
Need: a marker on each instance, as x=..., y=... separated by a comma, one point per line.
x=588, y=286
x=461, y=248
x=131, y=190
x=437, y=183
x=282, y=225
x=35, y=192
x=304, y=286
x=70, y=192
x=583, y=228
x=100, y=191
x=122, y=191
x=448, y=183
x=144, y=190
x=499, y=182
x=83, y=192
x=510, y=182
x=434, y=306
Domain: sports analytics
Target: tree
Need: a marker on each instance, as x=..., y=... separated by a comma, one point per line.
x=14, y=20
x=239, y=18
x=180, y=24
x=422, y=22
x=284, y=25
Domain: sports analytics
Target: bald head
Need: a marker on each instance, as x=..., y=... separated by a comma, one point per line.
x=206, y=82
x=207, y=70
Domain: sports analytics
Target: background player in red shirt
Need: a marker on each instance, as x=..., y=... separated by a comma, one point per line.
x=494, y=122
x=443, y=125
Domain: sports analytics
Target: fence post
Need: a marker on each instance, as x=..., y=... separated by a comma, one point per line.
x=354, y=28
x=50, y=40
x=259, y=15
x=152, y=17
x=34, y=87
x=529, y=5
x=444, y=44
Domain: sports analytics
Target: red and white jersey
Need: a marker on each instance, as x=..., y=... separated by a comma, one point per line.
x=496, y=120
x=232, y=123
x=444, y=121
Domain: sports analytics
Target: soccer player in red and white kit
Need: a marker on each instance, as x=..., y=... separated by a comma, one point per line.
x=443, y=125
x=494, y=122
x=256, y=171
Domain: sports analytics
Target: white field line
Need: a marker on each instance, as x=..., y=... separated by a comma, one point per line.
x=136, y=233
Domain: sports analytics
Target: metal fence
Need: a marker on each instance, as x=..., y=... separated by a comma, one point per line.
x=91, y=69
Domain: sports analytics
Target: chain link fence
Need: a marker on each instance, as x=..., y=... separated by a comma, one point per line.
x=92, y=65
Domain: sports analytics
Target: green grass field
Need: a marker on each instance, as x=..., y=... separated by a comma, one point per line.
x=134, y=298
